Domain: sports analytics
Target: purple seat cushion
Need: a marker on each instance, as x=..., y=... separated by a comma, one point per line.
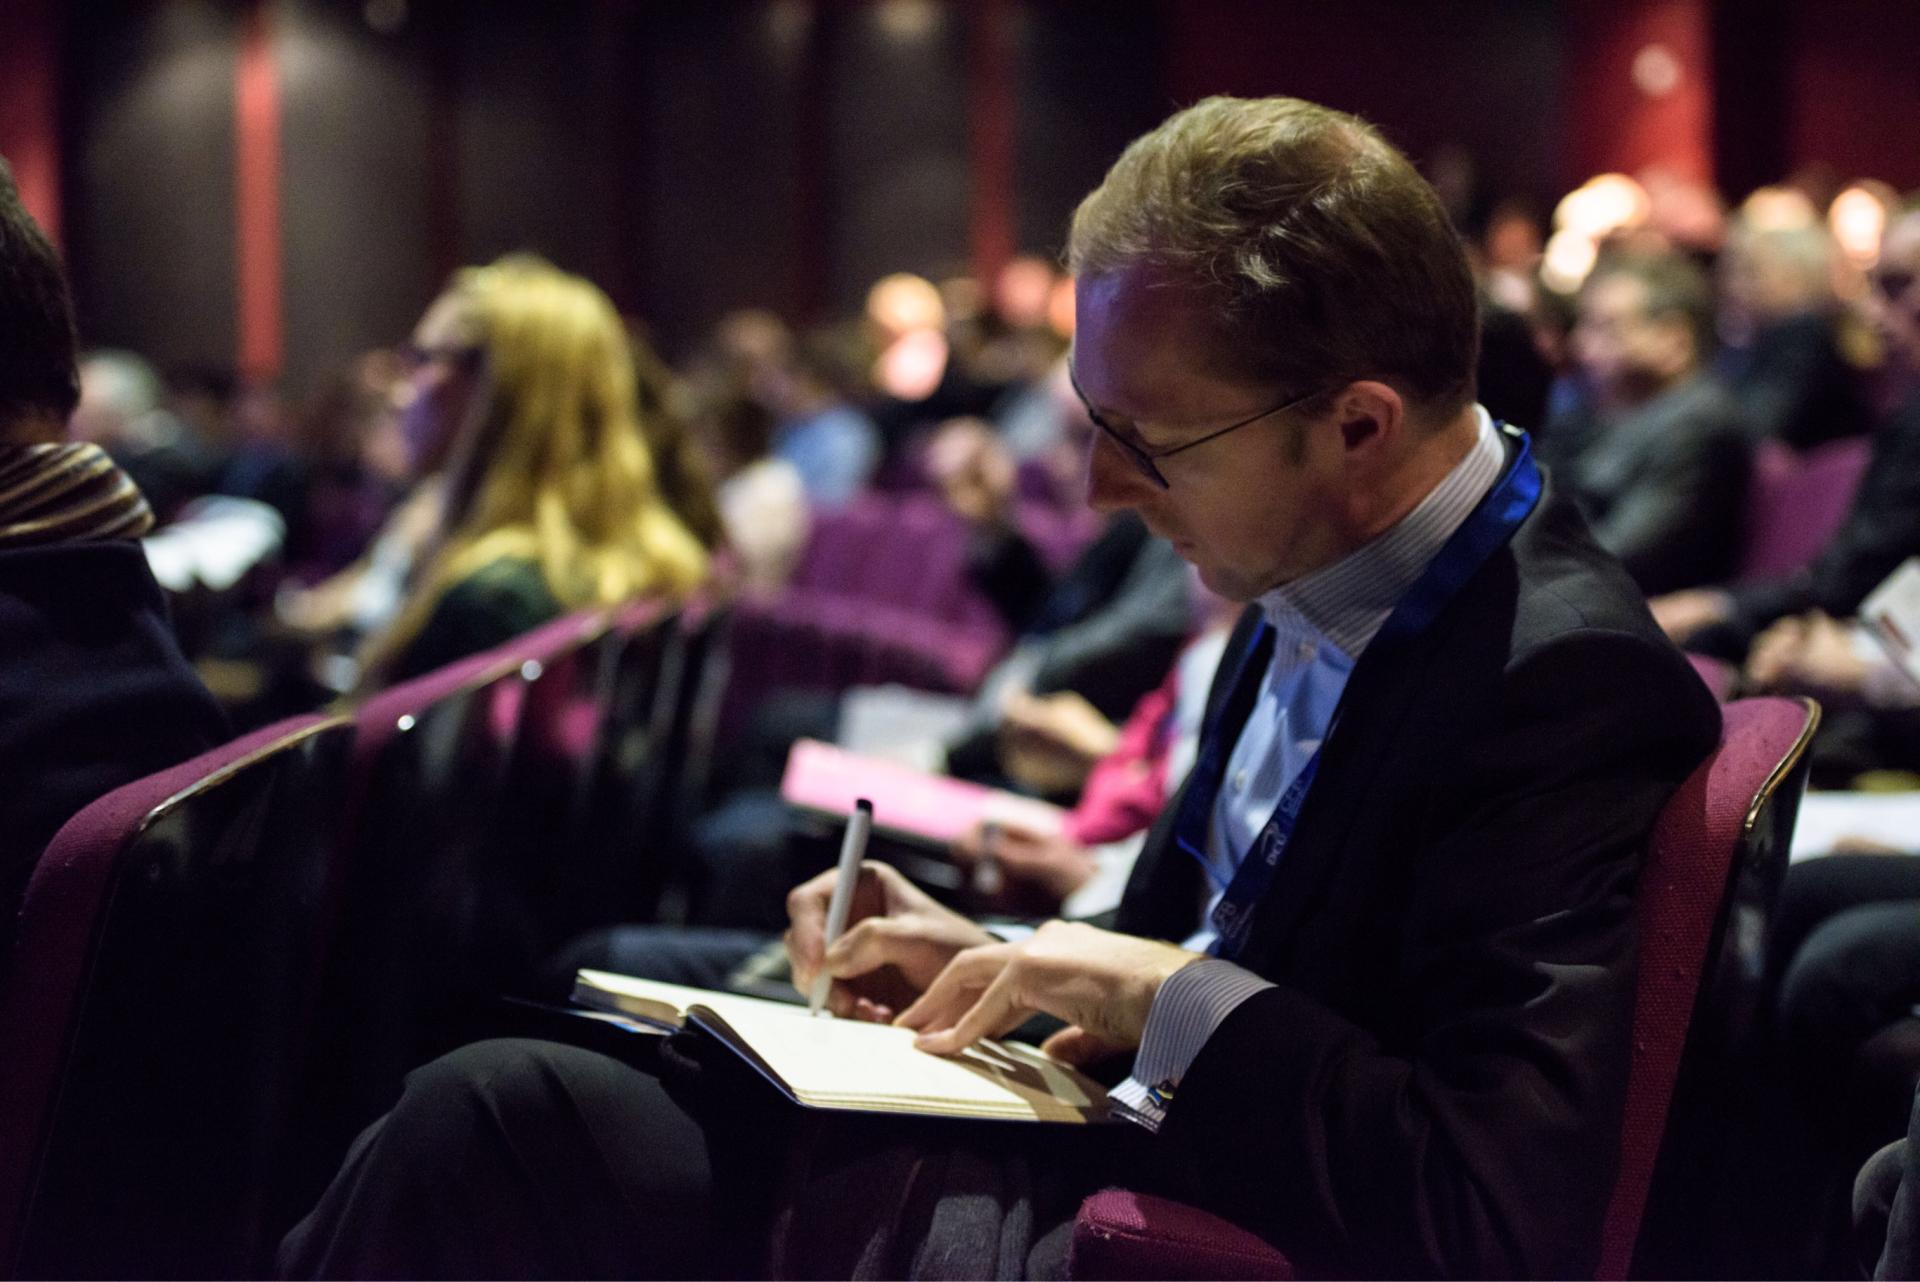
x=1119, y=1235
x=1797, y=502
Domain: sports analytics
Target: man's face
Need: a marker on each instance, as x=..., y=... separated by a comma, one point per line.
x=1895, y=298
x=1252, y=509
x=1626, y=353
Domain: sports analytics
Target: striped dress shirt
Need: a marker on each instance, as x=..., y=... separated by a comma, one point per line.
x=1322, y=623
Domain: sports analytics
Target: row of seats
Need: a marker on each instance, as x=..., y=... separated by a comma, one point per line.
x=223, y=971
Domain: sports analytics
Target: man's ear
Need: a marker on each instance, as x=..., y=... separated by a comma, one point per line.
x=1371, y=416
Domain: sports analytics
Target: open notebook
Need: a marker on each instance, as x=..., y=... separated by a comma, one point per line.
x=822, y=1062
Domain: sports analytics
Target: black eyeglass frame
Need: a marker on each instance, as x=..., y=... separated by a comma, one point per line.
x=1148, y=464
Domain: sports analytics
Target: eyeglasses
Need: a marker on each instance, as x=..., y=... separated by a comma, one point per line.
x=1149, y=463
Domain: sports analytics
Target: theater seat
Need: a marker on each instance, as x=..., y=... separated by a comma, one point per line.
x=1711, y=876
x=1796, y=502
x=156, y=1010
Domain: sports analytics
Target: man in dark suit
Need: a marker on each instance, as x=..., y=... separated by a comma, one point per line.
x=1370, y=987
x=1657, y=459
x=93, y=689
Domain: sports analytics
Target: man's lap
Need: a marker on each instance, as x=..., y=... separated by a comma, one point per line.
x=536, y=1159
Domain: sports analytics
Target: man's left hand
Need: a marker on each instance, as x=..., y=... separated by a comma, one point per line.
x=1100, y=982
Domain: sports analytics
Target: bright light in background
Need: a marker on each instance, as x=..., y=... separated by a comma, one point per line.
x=908, y=20
x=1777, y=209
x=903, y=302
x=1857, y=218
x=1569, y=257
x=1603, y=205
x=1656, y=72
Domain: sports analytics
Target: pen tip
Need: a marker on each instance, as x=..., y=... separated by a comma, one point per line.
x=863, y=805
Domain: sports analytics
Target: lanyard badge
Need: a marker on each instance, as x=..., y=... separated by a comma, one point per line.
x=1487, y=528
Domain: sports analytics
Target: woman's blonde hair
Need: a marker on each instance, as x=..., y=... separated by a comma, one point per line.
x=553, y=465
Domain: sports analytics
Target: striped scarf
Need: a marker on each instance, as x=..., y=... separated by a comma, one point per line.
x=66, y=493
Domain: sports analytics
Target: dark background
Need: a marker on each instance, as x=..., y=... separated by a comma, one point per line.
x=694, y=157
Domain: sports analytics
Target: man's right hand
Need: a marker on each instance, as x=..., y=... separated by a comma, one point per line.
x=897, y=939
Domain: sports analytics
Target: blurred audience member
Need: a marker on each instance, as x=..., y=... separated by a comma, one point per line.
x=1780, y=315
x=807, y=385
x=1882, y=528
x=525, y=382
x=1105, y=629
x=829, y=440
x=763, y=505
x=349, y=437
x=685, y=480
x=123, y=410
x=94, y=692
x=1657, y=459
x=1122, y=777
x=919, y=378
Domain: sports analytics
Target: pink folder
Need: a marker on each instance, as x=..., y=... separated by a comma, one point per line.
x=824, y=778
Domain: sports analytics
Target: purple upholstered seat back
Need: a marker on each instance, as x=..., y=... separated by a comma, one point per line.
x=1696, y=851
x=57, y=928
x=1719, y=675
x=1796, y=502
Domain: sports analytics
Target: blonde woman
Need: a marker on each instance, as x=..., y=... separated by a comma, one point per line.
x=523, y=385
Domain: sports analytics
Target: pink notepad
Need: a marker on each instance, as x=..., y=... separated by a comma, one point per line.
x=825, y=778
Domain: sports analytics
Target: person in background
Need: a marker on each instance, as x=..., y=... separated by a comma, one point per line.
x=1780, y=315
x=94, y=691
x=761, y=498
x=818, y=429
x=686, y=481
x=806, y=385
x=524, y=380
x=344, y=430
x=1105, y=628
x=1882, y=526
x=1656, y=458
x=123, y=410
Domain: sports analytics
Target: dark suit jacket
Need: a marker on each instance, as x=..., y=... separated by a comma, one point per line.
x=1663, y=486
x=94, y=693
x=1436, y=1085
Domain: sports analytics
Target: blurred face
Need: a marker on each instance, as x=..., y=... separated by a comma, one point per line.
x=1627, y=354
x=1253, y=509
x=1895, y=297
x=444, y=367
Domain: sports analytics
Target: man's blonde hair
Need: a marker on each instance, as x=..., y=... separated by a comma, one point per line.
x=1329, y=257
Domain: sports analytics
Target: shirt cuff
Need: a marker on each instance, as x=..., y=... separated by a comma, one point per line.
x=1193, y=1003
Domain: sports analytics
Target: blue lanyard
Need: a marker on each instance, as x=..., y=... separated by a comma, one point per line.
x=1487, y=529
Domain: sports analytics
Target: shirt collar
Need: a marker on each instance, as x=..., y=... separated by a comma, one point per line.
x=1348, y=602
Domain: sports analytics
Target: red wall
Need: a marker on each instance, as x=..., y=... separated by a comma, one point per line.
x=1616, y=125
x=1854, y=89
x=1485, y=74
x=29, y=106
